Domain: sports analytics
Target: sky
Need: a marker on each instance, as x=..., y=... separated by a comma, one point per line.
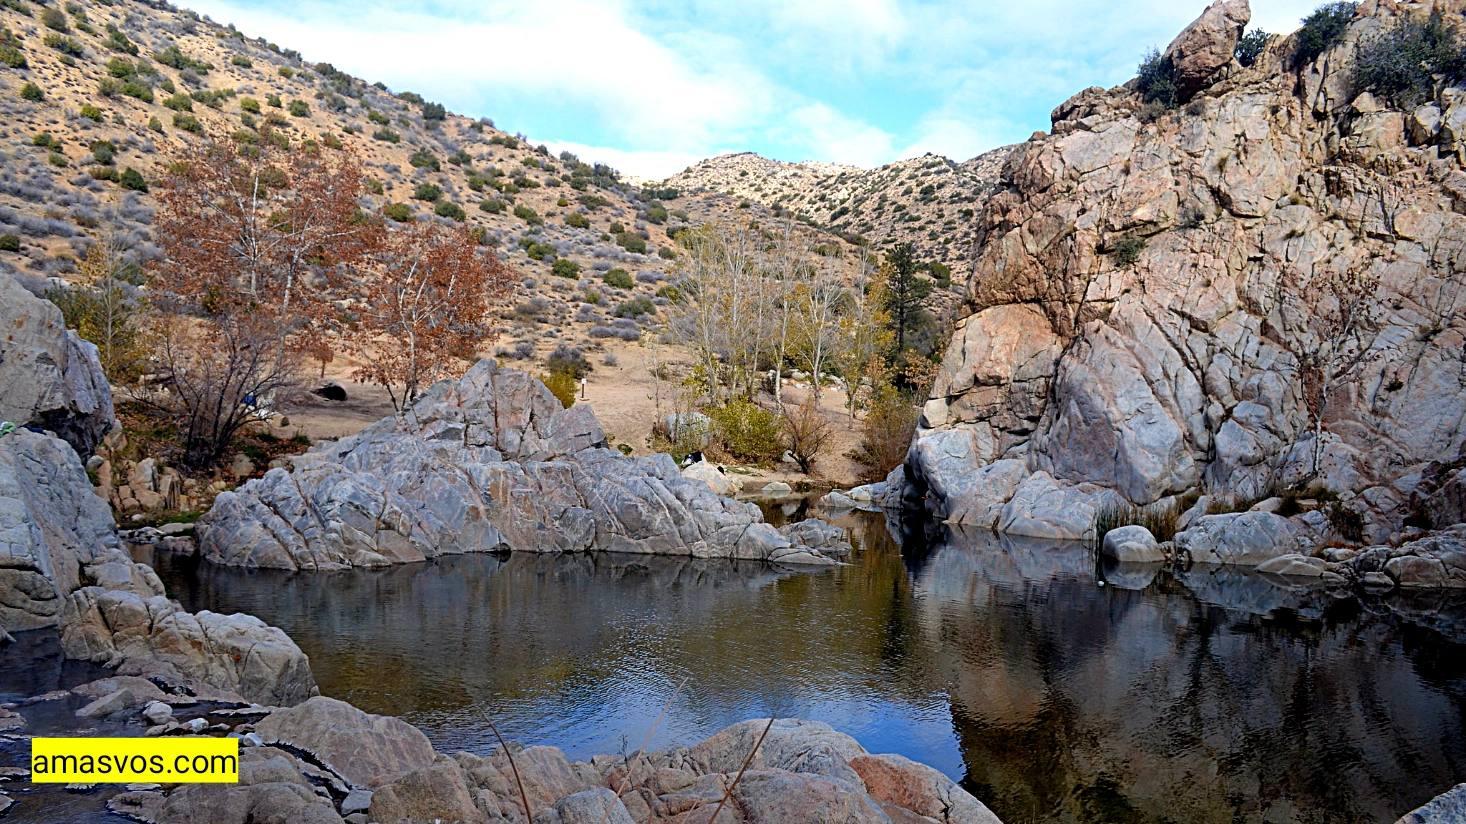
x=652, y=86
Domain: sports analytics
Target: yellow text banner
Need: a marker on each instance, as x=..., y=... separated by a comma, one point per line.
x=135, y=760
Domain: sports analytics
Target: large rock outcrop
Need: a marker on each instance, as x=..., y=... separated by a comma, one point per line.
x=1156, y=303
x=56, y=534
x=49, y=377
x=61, y=564
x=489, y=462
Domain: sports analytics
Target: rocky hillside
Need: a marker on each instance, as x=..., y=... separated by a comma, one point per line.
x=96, y=97
x=928, y=201
x=1254, y=295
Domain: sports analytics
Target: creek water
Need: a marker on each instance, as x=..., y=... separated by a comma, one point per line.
x=1055, y=689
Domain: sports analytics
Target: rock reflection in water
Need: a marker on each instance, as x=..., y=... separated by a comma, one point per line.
x=1061, y=690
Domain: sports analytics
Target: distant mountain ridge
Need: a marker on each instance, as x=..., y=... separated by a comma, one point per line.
x=928, y=201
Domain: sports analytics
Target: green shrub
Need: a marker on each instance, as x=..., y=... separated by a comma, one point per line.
x=1156, y=79
x=1251, y=46
x=1322, y=29
x=57, y=159
x=387, y=136
x=138, y=90
x=10, y=54
x=174, y=58
x=635, y=308
x=671, y=293
x=132, y=179
x=54, y=19
x=103, y=151
x=155, y=124
x=9, y=243
x=885, y=434
x=118, y=41
x=121, y=67
x=576, y=220
x=273, y=101
x=400, y=212
x=492, y=206
x=1401, y=63
x=449, y=209
x=1127, y=250
x=33, y=93
x=44, y=140
x=563, y=386
x=433, y=111
x=65, y=45
x=537, y=250
x=377, y=117
x=427, y=191
x=299, y=108
x=249, y=104
x=287, y=72
x=631, y=242
x=179, y=103
x=187, y=122
x=108, y=173
x=618, y=277
x=241, y=61
x=528, y=215
x=656, y=213
x=565, y=268
x=570, y=360
x=424, y=159
x=747, y=431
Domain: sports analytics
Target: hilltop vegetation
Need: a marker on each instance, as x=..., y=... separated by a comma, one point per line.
x=96, y=98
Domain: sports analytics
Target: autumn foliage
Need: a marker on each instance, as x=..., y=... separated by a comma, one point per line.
x=267, y=254
x=426, y=293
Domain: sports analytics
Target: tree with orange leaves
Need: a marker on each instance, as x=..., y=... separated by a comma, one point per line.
x=426, y=295
x=254, y=236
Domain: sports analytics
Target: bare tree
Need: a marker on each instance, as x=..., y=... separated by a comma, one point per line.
x=808, y=431
x=1344, y=304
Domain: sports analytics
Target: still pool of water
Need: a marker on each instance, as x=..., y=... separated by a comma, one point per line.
x=1054, y=690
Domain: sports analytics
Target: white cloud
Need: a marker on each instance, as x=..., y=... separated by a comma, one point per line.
x=652, y=85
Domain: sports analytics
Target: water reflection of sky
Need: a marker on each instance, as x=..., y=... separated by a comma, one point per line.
x=1057, y=690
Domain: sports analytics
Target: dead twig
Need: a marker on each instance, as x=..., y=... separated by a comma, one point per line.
x=739, y=777
x=523, y=796
x=645, y=742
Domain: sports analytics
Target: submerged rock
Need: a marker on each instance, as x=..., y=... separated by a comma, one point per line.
x=1132, y=544
x=489, y=462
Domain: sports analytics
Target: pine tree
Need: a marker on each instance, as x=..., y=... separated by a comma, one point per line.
x=905, y=292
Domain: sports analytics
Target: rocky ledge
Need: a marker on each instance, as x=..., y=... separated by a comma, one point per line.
x=326, y=762
x=61, y=565
x=489, y=462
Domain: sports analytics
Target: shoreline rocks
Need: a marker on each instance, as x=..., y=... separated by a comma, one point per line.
x=326, y=761
x=490, y=462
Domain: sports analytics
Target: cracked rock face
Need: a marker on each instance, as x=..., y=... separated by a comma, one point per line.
x=56, y=534
x=49, y=377
x=1252, y=222
x=490, y=462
